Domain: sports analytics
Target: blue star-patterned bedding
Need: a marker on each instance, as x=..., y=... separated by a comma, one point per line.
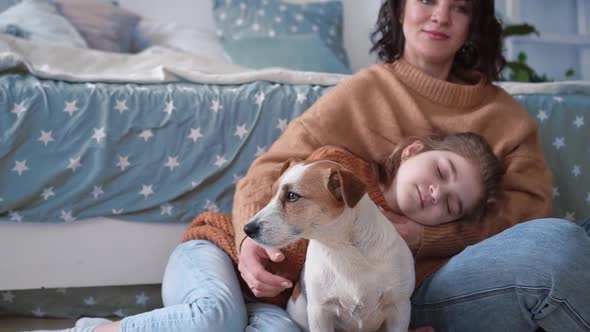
x=562, y=111
x=163, y=136
x=139, y=151
x=147, y=152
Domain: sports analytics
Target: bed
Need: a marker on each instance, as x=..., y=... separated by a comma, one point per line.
x=120, y=123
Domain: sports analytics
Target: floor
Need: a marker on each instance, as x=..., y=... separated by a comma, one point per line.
x=14, y=324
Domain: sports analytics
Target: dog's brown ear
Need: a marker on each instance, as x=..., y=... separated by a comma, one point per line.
x=346, y=187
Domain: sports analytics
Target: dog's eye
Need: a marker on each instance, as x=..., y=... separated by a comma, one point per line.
x=291, y=196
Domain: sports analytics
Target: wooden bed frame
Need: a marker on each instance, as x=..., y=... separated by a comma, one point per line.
x=93, y=252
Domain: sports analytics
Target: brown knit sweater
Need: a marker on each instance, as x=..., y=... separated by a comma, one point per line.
x=372, y=111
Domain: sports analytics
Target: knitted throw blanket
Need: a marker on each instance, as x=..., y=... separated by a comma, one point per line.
x=217, y=227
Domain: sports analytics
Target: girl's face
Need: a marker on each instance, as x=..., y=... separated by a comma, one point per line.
x=435, y=29
x=434, y=187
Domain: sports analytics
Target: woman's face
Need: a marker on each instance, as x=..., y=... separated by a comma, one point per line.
x=434, y=187
x=435, y=29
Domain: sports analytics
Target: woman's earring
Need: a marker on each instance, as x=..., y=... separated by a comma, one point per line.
x=468, y=54
x=468, y=47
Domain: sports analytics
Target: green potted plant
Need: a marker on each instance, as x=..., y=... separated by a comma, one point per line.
x=518, y=70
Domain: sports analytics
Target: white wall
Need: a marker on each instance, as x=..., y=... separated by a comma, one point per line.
x=564, y=40
x=359, y=21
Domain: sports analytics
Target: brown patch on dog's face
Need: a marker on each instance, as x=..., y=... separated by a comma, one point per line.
x=306, y=196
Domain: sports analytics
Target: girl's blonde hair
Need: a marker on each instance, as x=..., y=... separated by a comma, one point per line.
x=468, y=145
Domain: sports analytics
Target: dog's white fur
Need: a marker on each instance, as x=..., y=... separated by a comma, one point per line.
x=359, y=272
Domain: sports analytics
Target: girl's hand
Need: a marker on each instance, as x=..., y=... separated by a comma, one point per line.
x=409, y=230
x=252, y=261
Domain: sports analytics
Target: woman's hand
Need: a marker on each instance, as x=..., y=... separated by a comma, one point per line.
x=252, y=261
x=409, y=230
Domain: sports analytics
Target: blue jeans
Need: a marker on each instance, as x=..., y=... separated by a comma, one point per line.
x=201, y=292
x=533, y=275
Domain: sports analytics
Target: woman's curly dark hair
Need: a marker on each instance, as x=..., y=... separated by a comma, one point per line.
x=483, y=54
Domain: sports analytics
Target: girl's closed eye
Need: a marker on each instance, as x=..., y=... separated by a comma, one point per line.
x=440, y=173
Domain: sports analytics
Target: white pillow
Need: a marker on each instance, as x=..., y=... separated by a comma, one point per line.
x=190, y=39
x=40, y=21
x=192, y=13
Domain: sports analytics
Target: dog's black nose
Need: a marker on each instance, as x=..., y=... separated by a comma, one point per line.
x=251, y=229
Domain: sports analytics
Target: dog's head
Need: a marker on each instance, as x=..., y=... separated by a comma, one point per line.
x=308, y=197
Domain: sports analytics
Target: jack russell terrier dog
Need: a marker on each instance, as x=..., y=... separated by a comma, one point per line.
x=359, y=272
